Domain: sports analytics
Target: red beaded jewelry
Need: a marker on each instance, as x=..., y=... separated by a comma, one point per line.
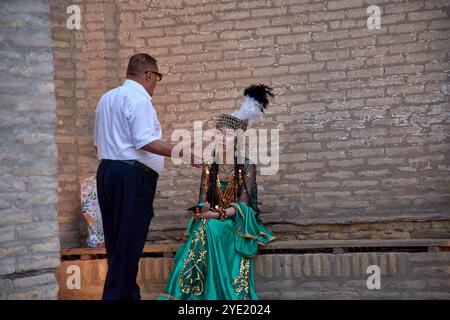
x=222, y=214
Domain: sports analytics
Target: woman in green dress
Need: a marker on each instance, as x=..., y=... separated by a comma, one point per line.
x=216, y=260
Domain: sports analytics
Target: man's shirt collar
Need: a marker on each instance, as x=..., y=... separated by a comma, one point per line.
x=137, y=86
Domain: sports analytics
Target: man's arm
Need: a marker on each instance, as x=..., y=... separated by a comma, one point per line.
x=143, y=129
x=159, y=147
x=165, y=149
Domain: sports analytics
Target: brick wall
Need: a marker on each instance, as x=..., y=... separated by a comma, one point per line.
x=29, y=244
x=364, y=114
x=298, y=276
x=84, y=70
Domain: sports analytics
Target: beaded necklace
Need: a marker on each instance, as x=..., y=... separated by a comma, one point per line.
x=228, y=196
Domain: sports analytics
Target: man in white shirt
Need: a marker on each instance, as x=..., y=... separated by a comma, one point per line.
x=127, y=136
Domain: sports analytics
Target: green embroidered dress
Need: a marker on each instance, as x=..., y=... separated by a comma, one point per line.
x=216, y=260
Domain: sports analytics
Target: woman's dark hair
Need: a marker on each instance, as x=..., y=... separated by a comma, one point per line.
x=259, y=92
x=212, y=195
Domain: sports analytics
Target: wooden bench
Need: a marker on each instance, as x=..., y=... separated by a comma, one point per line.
x=165, y=250
x=294, y=246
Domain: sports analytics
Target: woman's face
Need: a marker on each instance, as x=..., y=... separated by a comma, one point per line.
x=226, y=139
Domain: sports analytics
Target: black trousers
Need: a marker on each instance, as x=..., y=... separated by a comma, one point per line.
x=125, y=195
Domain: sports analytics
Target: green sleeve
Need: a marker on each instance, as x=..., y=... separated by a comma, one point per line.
x=250, y=232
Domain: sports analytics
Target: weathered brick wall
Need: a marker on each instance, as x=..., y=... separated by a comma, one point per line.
x=298, y=276
x=84, y=70
x=364, y=114
x=344, y=276
x=29, y=243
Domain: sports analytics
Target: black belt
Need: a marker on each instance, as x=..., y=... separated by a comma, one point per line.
x=136, y=164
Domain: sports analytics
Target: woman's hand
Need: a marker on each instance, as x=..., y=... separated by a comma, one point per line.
x=207, y=215
x=211, y=214
x=199, y=212
x=206, y=207
x=230, y=211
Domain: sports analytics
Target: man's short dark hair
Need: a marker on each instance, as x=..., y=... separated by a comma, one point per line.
x=140, y=63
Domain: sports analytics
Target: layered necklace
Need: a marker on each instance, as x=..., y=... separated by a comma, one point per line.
x=228, y=196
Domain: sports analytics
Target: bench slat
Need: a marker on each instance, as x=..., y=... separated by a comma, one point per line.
x=289, y=244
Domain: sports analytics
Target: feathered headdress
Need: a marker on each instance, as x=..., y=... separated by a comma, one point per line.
x=256, y=99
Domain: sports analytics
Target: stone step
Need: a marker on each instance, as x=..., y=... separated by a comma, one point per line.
x=403, y=275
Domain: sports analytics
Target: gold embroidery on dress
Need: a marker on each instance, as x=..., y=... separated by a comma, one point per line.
x=241, y=283
x=192, y=275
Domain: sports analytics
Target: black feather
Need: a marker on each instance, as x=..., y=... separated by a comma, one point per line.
x=259, y=92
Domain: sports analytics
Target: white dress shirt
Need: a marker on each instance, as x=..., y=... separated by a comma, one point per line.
x=125, y=121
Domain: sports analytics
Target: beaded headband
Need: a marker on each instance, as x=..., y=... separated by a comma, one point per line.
x=228, y=121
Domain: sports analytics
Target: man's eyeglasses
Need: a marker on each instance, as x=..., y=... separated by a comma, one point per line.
x=159, y=76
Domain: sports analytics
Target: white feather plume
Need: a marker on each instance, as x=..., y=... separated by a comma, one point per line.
x=249, y=110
